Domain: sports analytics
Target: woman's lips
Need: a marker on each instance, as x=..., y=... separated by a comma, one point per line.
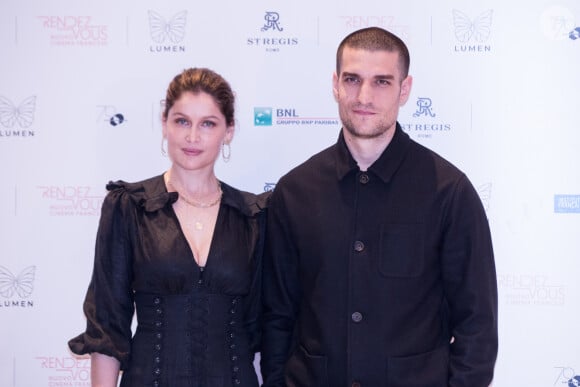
x=192, y=151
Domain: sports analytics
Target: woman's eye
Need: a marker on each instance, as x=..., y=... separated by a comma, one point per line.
x=181, y=121
x=208, y=124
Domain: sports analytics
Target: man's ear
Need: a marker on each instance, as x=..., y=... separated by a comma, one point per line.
x=406, y=86
x=335, y=86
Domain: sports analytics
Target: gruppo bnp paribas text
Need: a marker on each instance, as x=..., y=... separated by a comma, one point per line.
x=290, y=117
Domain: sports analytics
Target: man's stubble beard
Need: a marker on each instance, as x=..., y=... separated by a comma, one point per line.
x=380, y=130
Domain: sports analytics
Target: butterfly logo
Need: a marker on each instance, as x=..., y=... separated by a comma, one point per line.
x=22, y=114
x=478, y=29
x=484, y=192
x=21, y=284
x=161, y=30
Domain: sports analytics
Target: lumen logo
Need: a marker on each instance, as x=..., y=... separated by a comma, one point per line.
x=168, y=34
x=20, y=285
x=16, y=119
x=16, y=288
x=472, y=34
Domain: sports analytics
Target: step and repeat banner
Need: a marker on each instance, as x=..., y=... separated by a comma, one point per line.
x=496, y=92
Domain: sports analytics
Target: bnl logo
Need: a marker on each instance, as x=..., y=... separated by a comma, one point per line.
x=272, y=21
x=424, y=107
x=575, y=33
x=263, y=115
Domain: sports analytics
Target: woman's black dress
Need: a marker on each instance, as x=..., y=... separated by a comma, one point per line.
x=194, y=326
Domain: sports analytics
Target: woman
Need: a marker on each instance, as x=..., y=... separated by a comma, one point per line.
x=184, y=250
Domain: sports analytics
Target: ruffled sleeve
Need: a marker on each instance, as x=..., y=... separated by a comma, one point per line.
x=108, y=304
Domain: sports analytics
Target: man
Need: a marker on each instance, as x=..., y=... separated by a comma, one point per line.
x=379, y=267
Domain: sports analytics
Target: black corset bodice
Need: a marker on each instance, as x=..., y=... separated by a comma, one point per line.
x=197, y=338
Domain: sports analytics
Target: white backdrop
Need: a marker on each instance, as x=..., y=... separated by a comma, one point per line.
x=496, y=88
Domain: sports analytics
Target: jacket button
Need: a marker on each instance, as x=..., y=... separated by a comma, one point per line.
x=364, y=178
x=359, y=246
x=356, y=317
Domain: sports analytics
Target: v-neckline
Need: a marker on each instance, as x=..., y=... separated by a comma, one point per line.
x=210, y=252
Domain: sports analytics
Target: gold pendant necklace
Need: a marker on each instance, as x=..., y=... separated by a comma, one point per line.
x=197, y=204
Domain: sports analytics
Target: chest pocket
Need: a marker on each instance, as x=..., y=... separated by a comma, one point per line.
x=401, y=250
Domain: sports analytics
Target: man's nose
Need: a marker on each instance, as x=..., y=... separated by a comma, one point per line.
x=365, y=93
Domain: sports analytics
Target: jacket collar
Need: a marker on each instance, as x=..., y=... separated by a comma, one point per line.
x=152, y=195
x=384, y=167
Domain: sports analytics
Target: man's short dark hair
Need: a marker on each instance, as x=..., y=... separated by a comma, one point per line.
x=375, y=39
